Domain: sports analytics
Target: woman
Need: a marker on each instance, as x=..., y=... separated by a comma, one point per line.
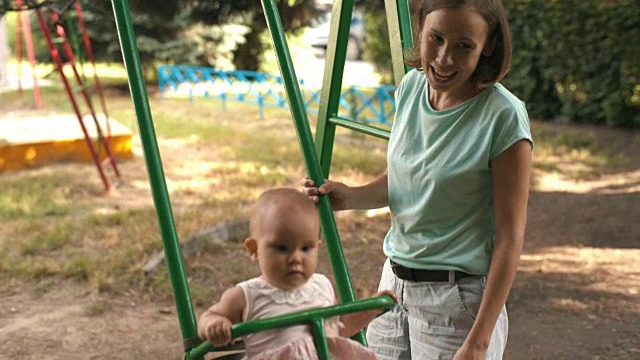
x=457, y=184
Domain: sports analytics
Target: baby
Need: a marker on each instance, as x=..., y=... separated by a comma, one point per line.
x=284, y=240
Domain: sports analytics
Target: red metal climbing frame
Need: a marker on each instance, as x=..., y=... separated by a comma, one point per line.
x=102, y=161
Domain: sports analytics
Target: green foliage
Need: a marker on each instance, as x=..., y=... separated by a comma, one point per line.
x=211, y=39
x=298, y=47
x=41, y=51
x=577, y=60
x=573, y=61
x=376, y=45
x=213, y=45
x=157, y=26
x=224, y=34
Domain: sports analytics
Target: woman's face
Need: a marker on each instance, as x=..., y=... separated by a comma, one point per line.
x=452, y=41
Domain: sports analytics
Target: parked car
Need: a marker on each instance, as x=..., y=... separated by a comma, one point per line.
x=318, y=35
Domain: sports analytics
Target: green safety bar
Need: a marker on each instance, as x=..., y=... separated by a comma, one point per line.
x=400, y=35
x=305, y=139
x=335, y=59
x=315, y=317
x=399, y=25
x=177, y=273
x=360, y=127
x=194, y=346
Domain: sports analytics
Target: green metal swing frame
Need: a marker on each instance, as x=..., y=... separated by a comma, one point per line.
x=317, y=160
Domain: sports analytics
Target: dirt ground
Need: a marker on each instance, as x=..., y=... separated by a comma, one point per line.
x=575, y=295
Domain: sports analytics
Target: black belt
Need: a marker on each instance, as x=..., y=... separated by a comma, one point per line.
x=410, y=274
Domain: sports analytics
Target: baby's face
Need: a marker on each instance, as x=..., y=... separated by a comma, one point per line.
x=288, y=251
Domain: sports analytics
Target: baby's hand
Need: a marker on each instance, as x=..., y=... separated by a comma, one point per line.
x=217, y=330
x=388, y=292
x=378, y=311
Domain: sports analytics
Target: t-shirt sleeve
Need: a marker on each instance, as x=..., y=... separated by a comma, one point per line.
x=408, y=77
x=512, y=125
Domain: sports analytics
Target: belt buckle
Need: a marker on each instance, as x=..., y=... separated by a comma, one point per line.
x=452, y=277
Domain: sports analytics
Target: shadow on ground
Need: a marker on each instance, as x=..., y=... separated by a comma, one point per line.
x=576, y=292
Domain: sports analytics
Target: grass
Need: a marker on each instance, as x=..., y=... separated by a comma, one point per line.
x=97, y=308
x=51, y=231
x=35, y=196
x=575, y=153
x=53, y=226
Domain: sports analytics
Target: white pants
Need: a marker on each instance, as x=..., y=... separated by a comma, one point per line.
x=432, y=320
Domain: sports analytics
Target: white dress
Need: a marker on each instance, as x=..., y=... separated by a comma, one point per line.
x=296, y=342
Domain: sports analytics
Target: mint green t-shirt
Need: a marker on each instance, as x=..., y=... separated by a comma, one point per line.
x=440, y=193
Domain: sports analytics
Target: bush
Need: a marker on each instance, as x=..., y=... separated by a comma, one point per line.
x=577, y=60
x=573, y=61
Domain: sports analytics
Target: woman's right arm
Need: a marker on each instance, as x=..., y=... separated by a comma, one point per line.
x=373, y=195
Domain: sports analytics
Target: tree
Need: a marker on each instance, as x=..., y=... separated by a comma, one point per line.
x=377, y=48
x=295, y=15
x=193, y=31
x=187, y=31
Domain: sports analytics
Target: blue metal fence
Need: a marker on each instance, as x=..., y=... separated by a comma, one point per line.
x=363, y=104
